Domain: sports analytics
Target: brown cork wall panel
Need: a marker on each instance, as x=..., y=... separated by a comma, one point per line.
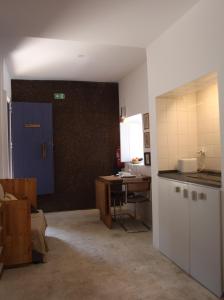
x=86, y=134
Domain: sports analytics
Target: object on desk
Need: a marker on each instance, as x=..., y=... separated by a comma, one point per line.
x=136, y=160
x=125, y=175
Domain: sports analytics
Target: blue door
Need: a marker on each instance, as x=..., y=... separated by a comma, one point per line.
x=32, y=144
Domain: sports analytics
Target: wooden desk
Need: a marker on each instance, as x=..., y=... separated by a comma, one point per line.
x=103, y=194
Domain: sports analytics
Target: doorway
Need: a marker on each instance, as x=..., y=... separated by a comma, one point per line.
x=32, y=144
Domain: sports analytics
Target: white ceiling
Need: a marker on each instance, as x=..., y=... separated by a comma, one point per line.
x=119, y=22
x=93, y=26
x=37, y=58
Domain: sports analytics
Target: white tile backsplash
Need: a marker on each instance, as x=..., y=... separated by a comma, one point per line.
x=180, y=122
x=164, y=164
x=187, y=124
x=208, y=126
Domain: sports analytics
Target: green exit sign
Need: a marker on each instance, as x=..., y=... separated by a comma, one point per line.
x=59, y=96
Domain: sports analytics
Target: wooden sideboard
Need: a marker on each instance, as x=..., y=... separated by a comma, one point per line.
x=15, y=220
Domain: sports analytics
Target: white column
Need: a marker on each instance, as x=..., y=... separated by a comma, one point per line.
x=4, y=148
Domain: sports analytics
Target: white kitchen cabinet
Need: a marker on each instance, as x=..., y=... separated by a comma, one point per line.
x=190, y=230
x=174, y=222
x=205, y=236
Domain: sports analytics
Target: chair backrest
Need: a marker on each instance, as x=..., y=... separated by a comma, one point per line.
x=116, y=187
x=140, y=186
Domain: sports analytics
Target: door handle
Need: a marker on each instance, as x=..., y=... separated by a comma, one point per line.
x=185, y=193
x=177, y=189
x=43, y=151
x=194, y=195
x=202, y=196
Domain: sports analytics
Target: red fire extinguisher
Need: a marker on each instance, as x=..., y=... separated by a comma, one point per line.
x=119, y=164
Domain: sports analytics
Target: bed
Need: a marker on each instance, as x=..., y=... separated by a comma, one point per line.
x=23, y=225
x=39, y=244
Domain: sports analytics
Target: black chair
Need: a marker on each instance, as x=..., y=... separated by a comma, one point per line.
x=117, y=197
x=136, y=192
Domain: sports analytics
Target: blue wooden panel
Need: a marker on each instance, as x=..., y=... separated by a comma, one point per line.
x=27, y=158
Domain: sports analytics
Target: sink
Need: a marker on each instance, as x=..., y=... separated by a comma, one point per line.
x=206, y=176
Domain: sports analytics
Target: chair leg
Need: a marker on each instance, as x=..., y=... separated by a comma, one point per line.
x=115, y=217
x=135, y=214
x=120, y=208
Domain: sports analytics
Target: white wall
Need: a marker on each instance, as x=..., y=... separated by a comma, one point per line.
x=133, y=91
x=5, y=90
x=133, y=94
x=191, y=48
x=6, y=80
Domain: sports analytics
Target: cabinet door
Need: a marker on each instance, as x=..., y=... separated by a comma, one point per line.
x=174, y=221
x=205, y=232
x=165, y=212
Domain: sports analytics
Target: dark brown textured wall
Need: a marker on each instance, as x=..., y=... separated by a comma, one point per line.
x=86, y=134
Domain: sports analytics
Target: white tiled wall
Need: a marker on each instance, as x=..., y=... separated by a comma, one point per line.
x=186, y=125
x=208, y=126
x=177, y=130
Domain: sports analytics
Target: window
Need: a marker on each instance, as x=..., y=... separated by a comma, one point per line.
x=131, y=138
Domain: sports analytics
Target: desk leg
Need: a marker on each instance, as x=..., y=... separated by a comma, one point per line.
x=103, y=202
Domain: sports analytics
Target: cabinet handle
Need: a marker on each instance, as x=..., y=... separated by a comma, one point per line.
x=43, y=151
x=185, y=193
x=194, y=195
x=202, y=196
x=177, y=189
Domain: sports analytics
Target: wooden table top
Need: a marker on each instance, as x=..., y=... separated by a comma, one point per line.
x=118, y=179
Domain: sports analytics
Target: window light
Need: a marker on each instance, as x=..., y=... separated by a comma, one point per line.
x=131, y=138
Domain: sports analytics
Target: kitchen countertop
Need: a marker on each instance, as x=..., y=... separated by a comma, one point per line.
x=207, y=178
